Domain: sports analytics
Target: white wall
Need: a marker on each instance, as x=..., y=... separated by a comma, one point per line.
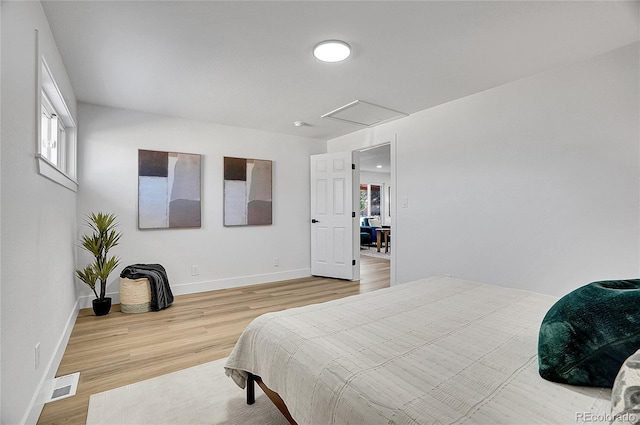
x=38, y=229
x=534, y=184
x=370, y=177
x=109, y=140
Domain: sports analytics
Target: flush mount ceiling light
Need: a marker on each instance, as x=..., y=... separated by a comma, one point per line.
x=332, y=51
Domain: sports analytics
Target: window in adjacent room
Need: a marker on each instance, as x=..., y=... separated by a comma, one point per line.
x=56, y=151
x=370, y=196
x=364, y=200
x=374, y=199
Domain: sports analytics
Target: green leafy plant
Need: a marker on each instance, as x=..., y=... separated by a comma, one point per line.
x=102, y=238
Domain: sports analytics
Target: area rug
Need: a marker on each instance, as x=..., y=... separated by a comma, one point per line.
x=198, y=395
x=373, y=252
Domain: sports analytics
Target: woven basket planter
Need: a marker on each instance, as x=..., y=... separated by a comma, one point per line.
x=135, y=295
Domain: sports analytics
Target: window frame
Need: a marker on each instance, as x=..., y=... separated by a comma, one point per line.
x=49, y=97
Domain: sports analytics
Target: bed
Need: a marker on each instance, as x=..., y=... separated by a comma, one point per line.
x=437, y=350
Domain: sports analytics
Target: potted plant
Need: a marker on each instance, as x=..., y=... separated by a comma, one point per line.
x=102, y=238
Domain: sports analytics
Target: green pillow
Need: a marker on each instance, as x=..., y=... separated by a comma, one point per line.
x=588, y=334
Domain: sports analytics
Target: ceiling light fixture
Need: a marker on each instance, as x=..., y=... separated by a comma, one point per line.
x=332, y=51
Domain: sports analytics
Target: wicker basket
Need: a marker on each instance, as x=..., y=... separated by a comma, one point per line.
x=135, y=295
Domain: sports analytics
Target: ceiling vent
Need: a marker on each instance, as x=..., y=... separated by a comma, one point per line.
x=364, y=113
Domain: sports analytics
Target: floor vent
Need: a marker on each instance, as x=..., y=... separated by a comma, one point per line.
x=63, y=387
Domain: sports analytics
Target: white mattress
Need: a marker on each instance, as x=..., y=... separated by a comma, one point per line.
x=437, y=350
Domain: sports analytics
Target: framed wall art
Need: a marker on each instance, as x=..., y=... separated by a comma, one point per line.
x=247, y=192
x=169, y=190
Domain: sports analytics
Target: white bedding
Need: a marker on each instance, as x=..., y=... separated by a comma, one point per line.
x=437, y=350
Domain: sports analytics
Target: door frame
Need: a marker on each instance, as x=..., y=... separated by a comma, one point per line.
x=393, y=204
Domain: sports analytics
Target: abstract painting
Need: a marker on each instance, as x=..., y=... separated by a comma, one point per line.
x=247, y=192
x=168, y=190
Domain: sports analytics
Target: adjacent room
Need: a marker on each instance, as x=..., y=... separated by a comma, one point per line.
x=255, y=212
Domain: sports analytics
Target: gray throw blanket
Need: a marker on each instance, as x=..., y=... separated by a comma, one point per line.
x=161, y=296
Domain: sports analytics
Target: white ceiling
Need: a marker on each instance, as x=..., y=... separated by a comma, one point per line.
x=249, y=64
x=370, y=159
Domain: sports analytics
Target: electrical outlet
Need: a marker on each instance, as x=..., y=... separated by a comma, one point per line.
x=195, y=270
x=276, y=262
x=37, y=356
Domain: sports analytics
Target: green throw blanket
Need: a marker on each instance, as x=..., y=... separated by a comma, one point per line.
x=588, y=334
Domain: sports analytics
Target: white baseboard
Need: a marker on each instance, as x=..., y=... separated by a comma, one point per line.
x=37, y=402
x=235, y=282
x=212, y=285
x=85, y=301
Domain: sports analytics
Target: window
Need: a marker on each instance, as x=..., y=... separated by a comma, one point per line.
x=370, y=200
x=364, y=200
x=56, y=145
x=374, y=200
x=51, y=130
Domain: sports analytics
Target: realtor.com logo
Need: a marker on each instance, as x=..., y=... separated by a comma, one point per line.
x=625, y=418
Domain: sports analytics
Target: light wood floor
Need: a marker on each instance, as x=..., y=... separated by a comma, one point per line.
x=120, y=349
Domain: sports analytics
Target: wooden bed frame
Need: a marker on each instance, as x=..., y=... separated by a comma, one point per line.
x=273, y=396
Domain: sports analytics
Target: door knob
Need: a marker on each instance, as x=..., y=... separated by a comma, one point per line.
x=313, y=220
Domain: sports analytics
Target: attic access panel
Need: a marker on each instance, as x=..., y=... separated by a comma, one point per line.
x=364, y=113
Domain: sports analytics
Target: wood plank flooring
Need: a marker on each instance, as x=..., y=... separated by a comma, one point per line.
x=120, y=349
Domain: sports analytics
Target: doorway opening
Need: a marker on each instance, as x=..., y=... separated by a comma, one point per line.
x=376, y=214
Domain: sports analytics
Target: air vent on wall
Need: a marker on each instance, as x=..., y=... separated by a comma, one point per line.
x=364, y=113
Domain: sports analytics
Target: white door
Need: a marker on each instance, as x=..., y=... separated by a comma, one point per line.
x=333, y=216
